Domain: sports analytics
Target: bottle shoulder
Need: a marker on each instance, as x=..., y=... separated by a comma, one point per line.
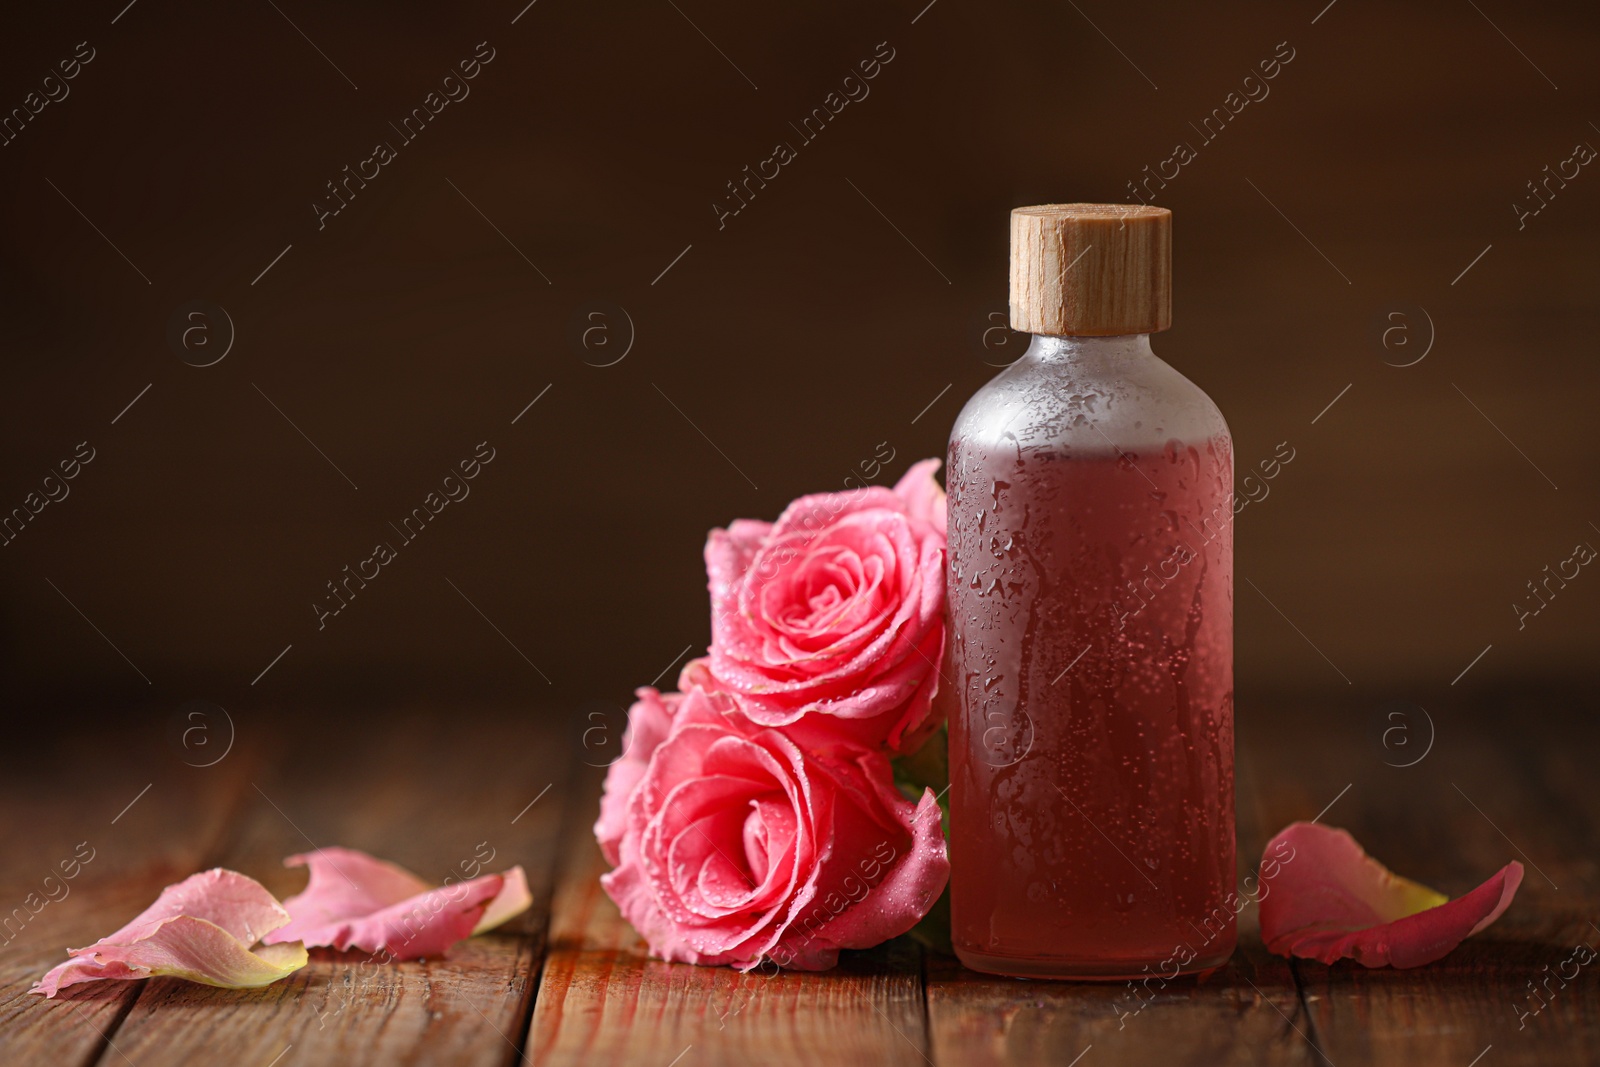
x=1133, y=403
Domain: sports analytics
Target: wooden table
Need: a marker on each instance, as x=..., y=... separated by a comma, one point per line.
x=570, y=983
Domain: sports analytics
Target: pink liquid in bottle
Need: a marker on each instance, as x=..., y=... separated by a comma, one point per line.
x=1092, y=818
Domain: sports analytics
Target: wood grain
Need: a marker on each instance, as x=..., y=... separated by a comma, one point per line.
x=141, y=840
x=1093, y=270
x=1474, y=803
x=1246, y=1013
x=1512, y=779
x=603, y=1000
x=425, y=793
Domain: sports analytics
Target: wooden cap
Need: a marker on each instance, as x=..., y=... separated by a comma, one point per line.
x=1094, y=270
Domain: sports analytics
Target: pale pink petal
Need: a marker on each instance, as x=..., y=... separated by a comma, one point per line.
x=810, y=514
x=728, y=553
x=344, y=883
x=420, y=926
x=354, y=900
x=201, y=929
x=924, y=499
x=649, y=720
x=696, y=674
x=180, y=947
x=513, y=899
x=1326, y=899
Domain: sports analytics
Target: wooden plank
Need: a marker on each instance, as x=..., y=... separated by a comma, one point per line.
x=1497, y=772
x=1246, y=1013
x=603, y=1000
x=1249, y=1012
x=122, y=799
x=429, y=792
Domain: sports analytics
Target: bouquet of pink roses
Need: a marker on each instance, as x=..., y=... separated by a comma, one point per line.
x=754, y=814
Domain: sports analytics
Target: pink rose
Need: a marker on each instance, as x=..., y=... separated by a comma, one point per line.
x=830, y=622
x=739, y=846
x=649, y=721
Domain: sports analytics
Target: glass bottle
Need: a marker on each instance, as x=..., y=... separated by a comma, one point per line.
x=1091, y=606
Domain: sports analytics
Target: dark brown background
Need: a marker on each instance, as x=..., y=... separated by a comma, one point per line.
x=797, y=338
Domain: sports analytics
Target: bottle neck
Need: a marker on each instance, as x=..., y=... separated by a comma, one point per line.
x=1088, y=353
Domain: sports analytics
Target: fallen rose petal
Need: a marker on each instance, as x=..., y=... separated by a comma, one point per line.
x=200, y=929
x=180, y=947
x=1328, y=900
x=343, y=883
x=420, y=926
x=354, y=900
x=513, y=899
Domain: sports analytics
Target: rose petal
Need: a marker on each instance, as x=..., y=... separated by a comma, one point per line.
x=729, y=552
x=817, y=511
x=180, y=947
x=898, y=902
x=829, y=614
x=354, y=900
x=345, y=883
x=513, y=899
x=1328, y=900
x=841, y=858
x=201, y=929
x=922, y=494
x=649, y=720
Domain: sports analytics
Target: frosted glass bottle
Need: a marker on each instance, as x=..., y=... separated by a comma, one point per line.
x=1091, y=602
